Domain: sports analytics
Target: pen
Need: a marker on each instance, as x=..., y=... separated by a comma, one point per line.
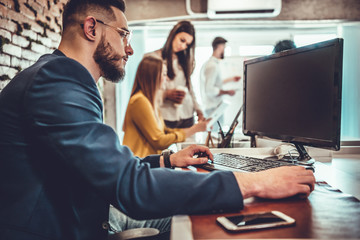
x=221, y=131
x=228, y=137
x=233, y=129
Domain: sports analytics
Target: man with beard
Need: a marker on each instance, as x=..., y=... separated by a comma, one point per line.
x=211, y=82
x=61, y=166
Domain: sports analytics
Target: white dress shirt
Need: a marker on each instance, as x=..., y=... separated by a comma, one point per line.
x=211, y=83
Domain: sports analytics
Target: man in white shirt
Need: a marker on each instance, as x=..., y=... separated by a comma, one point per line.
x=210, y=79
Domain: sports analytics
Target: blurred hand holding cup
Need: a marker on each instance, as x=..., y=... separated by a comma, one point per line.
x=180, y=93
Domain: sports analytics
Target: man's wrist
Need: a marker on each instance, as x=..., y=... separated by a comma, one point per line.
x=247, y=184
x=166, y=157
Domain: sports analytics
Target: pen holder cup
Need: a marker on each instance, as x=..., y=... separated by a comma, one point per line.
x=226, y=142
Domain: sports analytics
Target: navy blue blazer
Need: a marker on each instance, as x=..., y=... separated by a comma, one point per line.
x=61, y=166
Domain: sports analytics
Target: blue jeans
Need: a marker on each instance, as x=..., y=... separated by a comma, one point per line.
x=120, y=222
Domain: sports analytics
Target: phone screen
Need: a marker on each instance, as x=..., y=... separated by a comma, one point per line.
x=255, y=219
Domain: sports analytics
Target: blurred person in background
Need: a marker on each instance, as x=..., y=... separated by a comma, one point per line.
x=284, y=45
x=144, y=127
x=211, y=81
x=179, y=101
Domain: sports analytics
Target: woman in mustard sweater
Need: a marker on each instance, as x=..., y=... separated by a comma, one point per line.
x=145, y=131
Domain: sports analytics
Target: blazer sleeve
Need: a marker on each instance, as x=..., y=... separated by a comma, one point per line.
x=64, y=112
x=142, y=114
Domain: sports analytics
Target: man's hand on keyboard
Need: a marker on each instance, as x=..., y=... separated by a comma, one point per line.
x=276, y=183
x=186, y=157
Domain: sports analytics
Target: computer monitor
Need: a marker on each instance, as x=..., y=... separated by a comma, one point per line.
x=295, y=96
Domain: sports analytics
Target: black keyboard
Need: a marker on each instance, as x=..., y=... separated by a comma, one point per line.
x=234, y=162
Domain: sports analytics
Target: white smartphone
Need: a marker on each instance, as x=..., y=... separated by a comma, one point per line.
x=255, y=221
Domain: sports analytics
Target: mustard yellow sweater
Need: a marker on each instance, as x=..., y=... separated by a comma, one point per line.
x=143, y=135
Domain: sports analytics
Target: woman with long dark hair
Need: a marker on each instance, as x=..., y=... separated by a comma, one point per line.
x=179, y=102
x=145, y=131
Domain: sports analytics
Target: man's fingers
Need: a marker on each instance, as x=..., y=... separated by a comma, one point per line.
x=195, y=161
x=306, y=177
x=207, y=151
x=309, y=181
x=304, y=189
x=203, y=149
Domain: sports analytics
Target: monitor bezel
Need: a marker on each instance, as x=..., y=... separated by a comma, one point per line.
x=334, y=142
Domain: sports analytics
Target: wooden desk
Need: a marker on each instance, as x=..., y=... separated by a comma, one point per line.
x=326, y=214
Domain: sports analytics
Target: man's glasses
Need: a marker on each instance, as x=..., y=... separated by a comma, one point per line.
x=124, y=34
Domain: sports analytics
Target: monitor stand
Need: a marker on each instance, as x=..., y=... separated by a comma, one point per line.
x=303, y=155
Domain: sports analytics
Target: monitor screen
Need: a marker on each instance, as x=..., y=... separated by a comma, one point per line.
x=295, y=95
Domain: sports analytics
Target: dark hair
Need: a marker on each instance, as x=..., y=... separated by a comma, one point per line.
x=217, y=41
x=186, y=57
x=78, y=7
x=284, y=45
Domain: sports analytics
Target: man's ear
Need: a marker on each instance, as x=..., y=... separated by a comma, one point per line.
x=89, y=28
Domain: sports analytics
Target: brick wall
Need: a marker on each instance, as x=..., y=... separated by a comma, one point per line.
x=28, y=29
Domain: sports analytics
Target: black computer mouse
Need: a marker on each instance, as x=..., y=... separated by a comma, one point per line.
x=311, y=168
x=200, y=154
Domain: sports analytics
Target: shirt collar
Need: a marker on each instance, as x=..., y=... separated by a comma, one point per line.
x=59, y=53
x=215, y=59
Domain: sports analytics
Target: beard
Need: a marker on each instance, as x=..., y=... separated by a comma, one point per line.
x=107, y=58
x=222, y=55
